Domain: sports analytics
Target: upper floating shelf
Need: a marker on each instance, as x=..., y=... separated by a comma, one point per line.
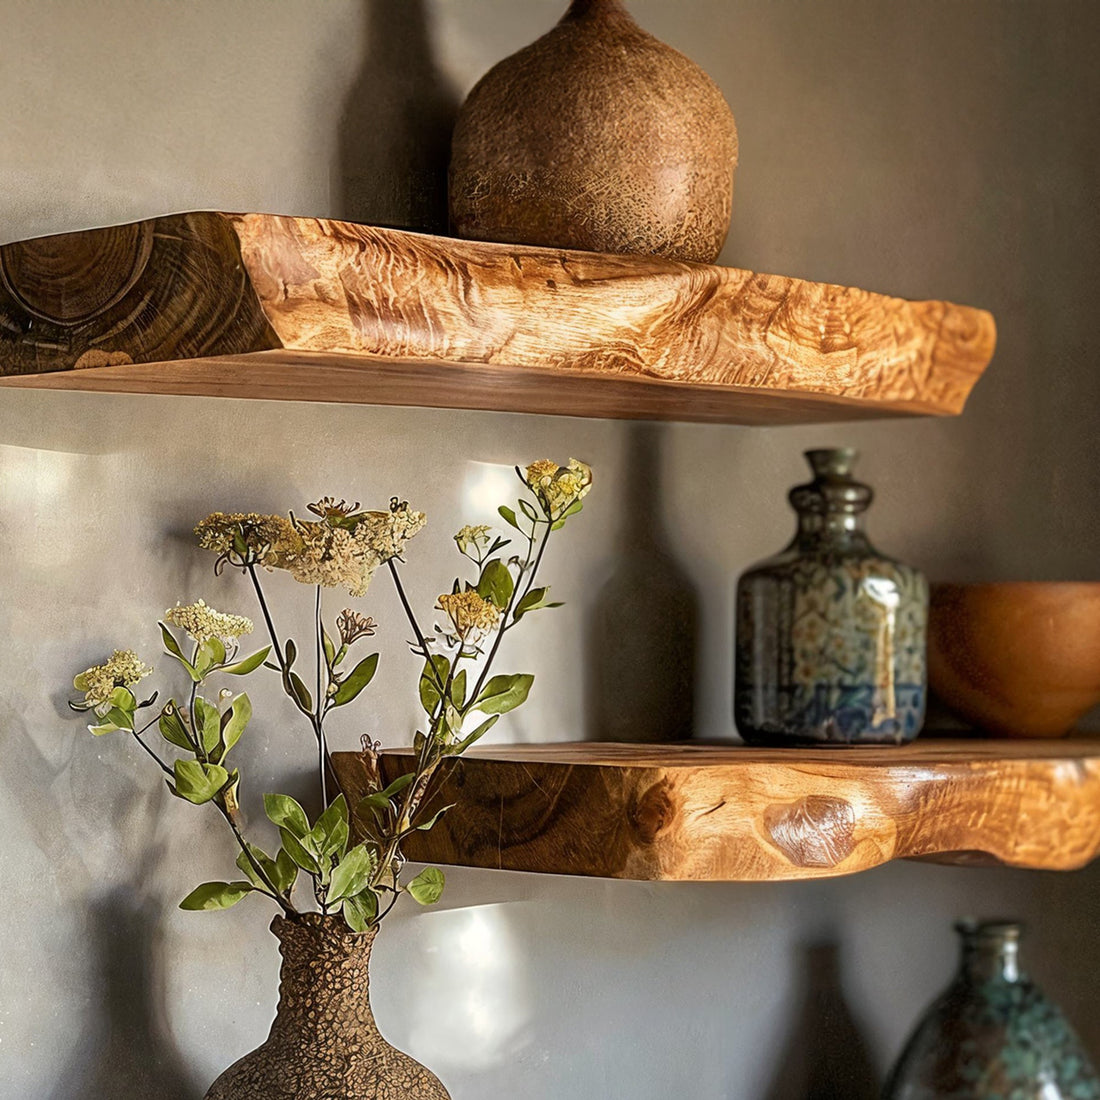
x=730, y=813
x=256, y=305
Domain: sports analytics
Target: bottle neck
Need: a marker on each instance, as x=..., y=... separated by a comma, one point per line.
x=840, y=531
x=990, y=952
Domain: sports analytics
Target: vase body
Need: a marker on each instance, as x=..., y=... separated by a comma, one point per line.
x=830, y=633
x=992, y=1035
x=596, y=137
x=324, y=1043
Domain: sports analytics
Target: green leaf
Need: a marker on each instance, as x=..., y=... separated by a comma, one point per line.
x=209, y=722
x=122, y=719
x=198, y=782
x=458, y=689
x=352, y=874
x=171, y=645
x=429, y=688
x=534, y=599
x=211, y=653
x=234, y=721
x=263, y=859
x=284, y=811
x=427, y=887
x=297, y=851
x=399, y=784
x=216, y=895
x=330, y=834
x=291, y=652
x=286, y=872
x=528, y=511
x=459, y=747
x=360, y=911
x=249, y=664
x=104, y=727
x=172, y=728
x=356, y=680
x=378, y=805
x=504, y=693
x=294, y=686
x=434, y=818
x=509, y=516
x=495, y=583
x=330, y=648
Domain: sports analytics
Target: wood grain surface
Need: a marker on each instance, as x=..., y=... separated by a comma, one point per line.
x=730, y=813
x=228, y=304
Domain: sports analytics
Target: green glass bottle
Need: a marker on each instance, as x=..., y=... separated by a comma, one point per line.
x=830, y=633
x=992, y=1034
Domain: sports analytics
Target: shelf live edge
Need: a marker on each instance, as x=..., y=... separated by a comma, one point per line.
x=257, y=305
x=735, y=814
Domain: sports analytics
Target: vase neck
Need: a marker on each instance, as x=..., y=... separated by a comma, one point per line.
x=989, y=951
x=324, y=980
x=830, y=508
x=603, y=9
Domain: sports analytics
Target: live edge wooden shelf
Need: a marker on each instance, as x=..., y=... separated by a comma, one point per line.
x=262, y=306
x=730, y=813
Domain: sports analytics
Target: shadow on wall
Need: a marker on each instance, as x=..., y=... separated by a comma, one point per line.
x=126, y=1052
x=825, y=1057
x=644, y=627
x=395, y=129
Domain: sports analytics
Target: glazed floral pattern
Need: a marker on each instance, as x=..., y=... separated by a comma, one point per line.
x=830, y=633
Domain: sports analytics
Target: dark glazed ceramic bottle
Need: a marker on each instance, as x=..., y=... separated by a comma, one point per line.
x=830, y=633
x=992, y=1035
x=324, y=1043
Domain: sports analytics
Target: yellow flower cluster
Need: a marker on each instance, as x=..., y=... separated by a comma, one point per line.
x=122, y=669
x=558, y=487
x=346, y=553
x=473, y=617
x=266, y=536
x=474, y=537
x=202, y=622
x=342, y=549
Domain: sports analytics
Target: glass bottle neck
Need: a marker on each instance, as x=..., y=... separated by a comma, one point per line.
x=990, y=952
x=830, y=530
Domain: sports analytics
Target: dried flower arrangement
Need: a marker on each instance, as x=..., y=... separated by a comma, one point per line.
x=343, y=547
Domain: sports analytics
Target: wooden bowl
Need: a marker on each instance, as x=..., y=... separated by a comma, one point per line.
x=1019, y=659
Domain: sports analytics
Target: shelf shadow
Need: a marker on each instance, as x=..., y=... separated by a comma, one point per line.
x=395, y=131
x=643, y=629
x=825, y=1056
x=126, y=1052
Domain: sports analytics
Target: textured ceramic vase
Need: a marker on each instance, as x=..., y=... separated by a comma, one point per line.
x=992, y=1035
x=597, y=137
x=324, y=1043
x=830, y=633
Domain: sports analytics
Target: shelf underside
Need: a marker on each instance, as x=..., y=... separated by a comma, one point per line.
x=730, y=813
x=304, y=309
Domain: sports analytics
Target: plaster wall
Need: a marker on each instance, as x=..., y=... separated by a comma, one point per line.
x=920, y=147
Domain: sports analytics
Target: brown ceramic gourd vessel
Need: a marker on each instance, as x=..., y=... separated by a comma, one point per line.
x=324, y=1043
x=597, y=137
x=1017, y=659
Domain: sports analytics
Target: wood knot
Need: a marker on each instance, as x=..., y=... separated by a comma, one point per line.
x=815, y=831
x=653, y=812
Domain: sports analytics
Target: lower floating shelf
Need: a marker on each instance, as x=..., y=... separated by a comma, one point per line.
x=697, y=812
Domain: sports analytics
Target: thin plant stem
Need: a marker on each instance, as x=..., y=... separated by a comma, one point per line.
x=267, y=615
x=415, y=625
x=318, y=720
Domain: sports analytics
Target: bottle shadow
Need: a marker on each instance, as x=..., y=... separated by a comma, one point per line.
x=642, y=632
x=825, y=1056
x=126, y=1052
x=394, y=140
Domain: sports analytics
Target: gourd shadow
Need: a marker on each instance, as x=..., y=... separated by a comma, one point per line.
x=126, y=1052
x=825, y=1056
x=642, y=632
x=395, y=130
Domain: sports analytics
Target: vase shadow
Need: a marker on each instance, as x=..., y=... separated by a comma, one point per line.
x=126, y=1052
x=825, y=1056
x=394, y=140
x=642, y=632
